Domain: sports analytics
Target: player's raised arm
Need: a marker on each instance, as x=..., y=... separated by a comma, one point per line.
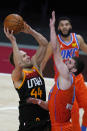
x=17, y=72
x=61, y=66
x=42, y=41
x=52, y=32
x=38, y=37
x=16, y=53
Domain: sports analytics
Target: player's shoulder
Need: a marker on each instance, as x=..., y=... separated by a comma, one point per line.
x=79, y=37
x=79, y=77
x=17, y=74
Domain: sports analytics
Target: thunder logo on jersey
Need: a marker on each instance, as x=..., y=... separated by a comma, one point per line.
x=69, y=53
x=70, y=49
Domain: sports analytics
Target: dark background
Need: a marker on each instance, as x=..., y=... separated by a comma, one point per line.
x=37, y=14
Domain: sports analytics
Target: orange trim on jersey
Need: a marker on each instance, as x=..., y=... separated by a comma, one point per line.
x=22, y=80
x=29, y=71
x=37, y=71
x=67, y=45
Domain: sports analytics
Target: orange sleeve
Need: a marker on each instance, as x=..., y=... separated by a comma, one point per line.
x=85, y=118
x=75, y=117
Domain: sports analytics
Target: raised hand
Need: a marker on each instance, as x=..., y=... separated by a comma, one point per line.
x=52, y=20
x=9, y=35
x=27, y=29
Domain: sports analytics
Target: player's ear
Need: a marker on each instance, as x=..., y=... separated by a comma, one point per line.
x=58, y=27
x=74, y=70
x=71, y=27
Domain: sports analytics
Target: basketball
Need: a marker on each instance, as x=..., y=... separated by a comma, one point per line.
x=14, y=22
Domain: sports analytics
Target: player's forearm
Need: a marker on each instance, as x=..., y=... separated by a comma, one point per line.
x=53, y=38
x=43, y=64
x=39, y=38
x=55, y=46
x=16, y=54
x=41, y=103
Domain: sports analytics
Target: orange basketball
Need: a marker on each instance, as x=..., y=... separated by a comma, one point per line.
x=14, y=22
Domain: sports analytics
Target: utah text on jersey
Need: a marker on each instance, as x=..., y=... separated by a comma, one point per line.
x=34, y=82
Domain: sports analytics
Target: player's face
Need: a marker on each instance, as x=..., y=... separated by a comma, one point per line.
x=71, y=65
x=25, y=59
x=64, y=27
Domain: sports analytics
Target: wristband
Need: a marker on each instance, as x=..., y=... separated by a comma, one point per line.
x=39, y=102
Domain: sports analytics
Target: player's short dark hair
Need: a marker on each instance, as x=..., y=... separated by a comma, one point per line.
x=11, y=59
x=79, y=64
x=64, y=18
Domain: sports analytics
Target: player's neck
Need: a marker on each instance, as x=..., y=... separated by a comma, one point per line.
x=28, y=68
x=66, y=39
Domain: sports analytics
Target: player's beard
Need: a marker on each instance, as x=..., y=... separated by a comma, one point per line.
x=65, y=35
